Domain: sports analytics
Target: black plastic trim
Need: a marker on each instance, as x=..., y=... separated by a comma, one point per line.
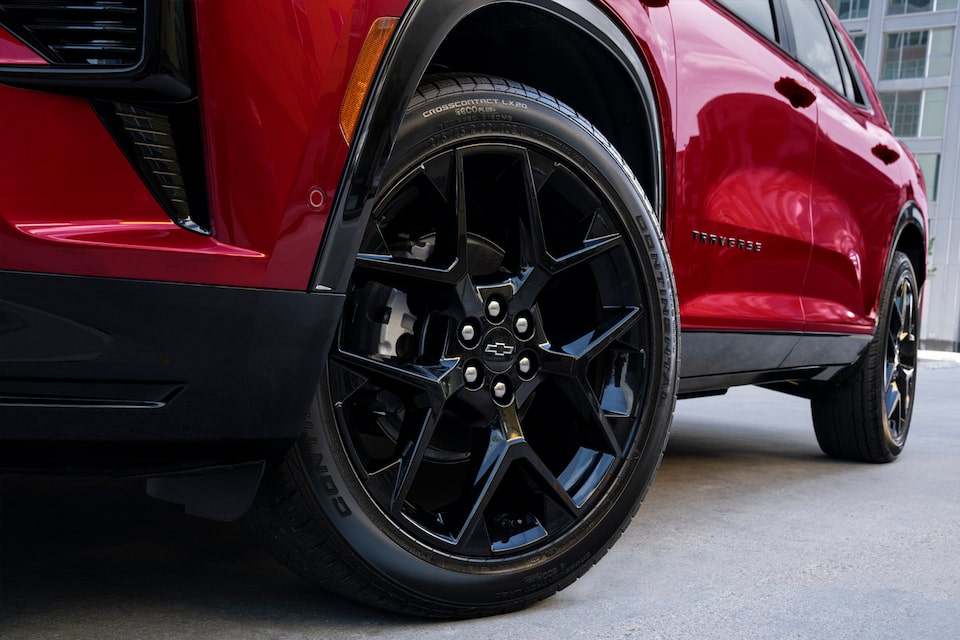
x=169, y=158
x=713, y=360
x=910, y=216
x=418, y=37
x=164, y=71
x=146, y=375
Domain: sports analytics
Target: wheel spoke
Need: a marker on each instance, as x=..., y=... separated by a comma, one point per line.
x=386, y=268
x=893, y=403
x=395, y=480
x=613, y=326
x=591, y=250
x=438, y=382
x=438, y=252
x=490, y=472
x=589, y=408
x=533, y=242
x=506, y=449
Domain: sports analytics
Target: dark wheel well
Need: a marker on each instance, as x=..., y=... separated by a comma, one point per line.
x=910, y=243
x=542, y=50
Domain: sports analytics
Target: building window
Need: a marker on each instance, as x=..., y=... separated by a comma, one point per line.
x=860, y=43
x=930, y=166
x=934, y=113
x=906, y=54
x=941, y=53
x=915, y=114
x=903, y=112
x=897, y=7
x=850, y=9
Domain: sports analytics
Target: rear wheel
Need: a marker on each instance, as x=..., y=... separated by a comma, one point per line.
x=867, y=415
x=501, y=388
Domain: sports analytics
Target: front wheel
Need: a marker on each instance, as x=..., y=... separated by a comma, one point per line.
x=501, y=388
x=867, y=415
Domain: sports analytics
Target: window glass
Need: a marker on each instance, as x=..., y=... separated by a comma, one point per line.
x=850, y=9
x=903, y=112
x=905, y=55
x=917, y=54
x=930, y=166
x=941, y=53
x=756, y=13
x=897, y=7
x=915, y=113
x=814, y=47
x=860, y=42
x=934, y=112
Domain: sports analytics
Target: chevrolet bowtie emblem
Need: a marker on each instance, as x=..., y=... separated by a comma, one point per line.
x=500, y=349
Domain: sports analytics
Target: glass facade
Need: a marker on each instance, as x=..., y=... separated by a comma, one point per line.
x=930, y=166
x=917, y=54
x=903, y=111
x=860, y=42
x=850, y=9
x=896, y=7
x=905, y=55
x=914, y=114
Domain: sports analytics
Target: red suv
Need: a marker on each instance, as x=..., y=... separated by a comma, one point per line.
x=391, y=279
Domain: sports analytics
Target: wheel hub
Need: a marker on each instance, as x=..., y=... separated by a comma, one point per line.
x=499, y=350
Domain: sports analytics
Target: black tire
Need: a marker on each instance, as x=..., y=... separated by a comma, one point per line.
x=423, y=486
x=867, y=415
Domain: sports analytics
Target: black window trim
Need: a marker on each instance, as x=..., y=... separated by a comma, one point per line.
x=778, y=25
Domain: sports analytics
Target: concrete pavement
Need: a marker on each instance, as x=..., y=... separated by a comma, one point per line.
x=748, y=532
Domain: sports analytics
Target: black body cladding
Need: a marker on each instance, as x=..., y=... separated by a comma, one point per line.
x=180, y=374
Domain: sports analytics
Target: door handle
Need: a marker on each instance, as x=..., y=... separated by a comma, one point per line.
x=799, y=96
x=885, y=153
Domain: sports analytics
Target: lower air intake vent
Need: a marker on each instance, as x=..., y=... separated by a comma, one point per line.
x=99, y=33
x=163, y=144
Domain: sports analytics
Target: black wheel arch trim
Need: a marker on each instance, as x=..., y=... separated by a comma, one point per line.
x=910, y=217
x=422, y=29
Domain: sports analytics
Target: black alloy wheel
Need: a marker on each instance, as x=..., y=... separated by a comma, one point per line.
x=501, y=388
x=900, y=360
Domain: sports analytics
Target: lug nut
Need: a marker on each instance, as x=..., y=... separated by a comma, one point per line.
x=468, y=333
x=493, y=308
x=525, y=365
x=522, y=325
x=470, y=374
x=500, y=390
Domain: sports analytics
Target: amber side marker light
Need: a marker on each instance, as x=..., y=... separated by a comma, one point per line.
x=373, y=47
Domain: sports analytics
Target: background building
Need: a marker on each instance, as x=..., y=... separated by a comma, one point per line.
x=910, y=48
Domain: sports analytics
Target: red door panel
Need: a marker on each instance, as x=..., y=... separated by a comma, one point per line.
x=855, y=196
x=740, y=238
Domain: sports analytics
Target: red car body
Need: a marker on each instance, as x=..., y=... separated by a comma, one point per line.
x=271, y=78
x=781, y=200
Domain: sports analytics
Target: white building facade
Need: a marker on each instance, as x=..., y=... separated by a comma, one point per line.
x=911, y=49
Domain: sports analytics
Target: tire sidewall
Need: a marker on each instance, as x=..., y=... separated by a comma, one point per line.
x=511, y=115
